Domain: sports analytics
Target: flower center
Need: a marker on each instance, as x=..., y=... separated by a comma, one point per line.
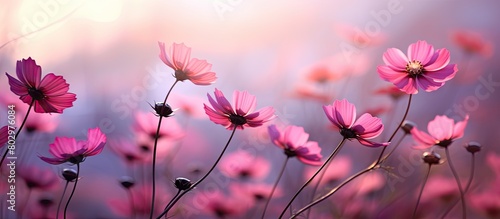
x=180, y=75
x=444, y=143
x=414, y=68
x=237, y=119
x=36, y=94
x=290, y=153
x=348, y=133
x=77, y=159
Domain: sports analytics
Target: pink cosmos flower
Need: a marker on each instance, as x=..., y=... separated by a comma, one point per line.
x=141, y=195
x=423, y=68
x=242, y=164
x=339, y=168
x=343, y=114
x=221, y=205
x=255, y=192
x=242, y=115
x=69, y=150
x=38, y=178
x=472, y=42
x=37, y=122
x=4, y=135
x=195, y=70
x=309, y=91
x=128, y=151
x=50, y=93
x=146, y=124
x=391, y=91
x=442, y=132
x=293, y=140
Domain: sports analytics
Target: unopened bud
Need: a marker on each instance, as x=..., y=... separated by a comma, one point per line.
x=407, y=126
x=46, y=202
x=127, y=181
x=165, y=111
x=473, y=147
x=431, y=158
x=69, y=174
x=182, y=183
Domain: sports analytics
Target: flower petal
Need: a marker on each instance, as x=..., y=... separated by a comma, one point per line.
x=275, y=136
x=441, y=128
x=440, y=59
x=458, y=130
x=295, y=136
x=29, y=72
x=420, y=51
x=17, y=87
x=423, y=138
x=395, y=59
x=345, y=113
x=368, y=127
x=371, y=143
x=243, y=102
x=444, y=74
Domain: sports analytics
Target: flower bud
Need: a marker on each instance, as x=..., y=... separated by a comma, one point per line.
x=407, y=126
x=182, y=183
x=431, y=158
x=473, y=147
x=127, y=182
x=163, y=111
x=69, y=174
x=46, y=202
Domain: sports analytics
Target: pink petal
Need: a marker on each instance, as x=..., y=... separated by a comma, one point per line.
x=180, y=54
x=423, y=138
x=62, y=102
x=196, y=66
x=395, y=59
x=407, y=85
x=54, y=161
x=216, y=117
x=223, y=102
x=164, y=57
x=261, y=116
x=63, y=146
x=391, y=75
x=368, y=127
x=444, y=74
x=3, y=136
x=275, y=136
x=440, y=60
x=344, y=112
x=295, y=136
x=329, y=111
x=204, y=79
x=95, y=141
x=17, y=87
x=371, y=143
x=420, y=51
x=428, y=84
x=29, y=72
x=44, y=106
x=243, y=102
x=458, y=130
x=441, y=128
x=53, y=85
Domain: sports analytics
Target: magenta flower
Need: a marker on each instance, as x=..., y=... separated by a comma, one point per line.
x=343, y=114
x=50, y=93
x=294, y=141
x=69, y=150
x=242, y=115
x=241, y=164
x=4, y=135
x=195, y=70
x=423, y=68
x=442, y=132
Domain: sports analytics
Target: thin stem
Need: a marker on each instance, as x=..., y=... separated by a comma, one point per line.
x=73, y=190
x=132, y=205
x=202, y=178
x=467, y=187
x=274, y=186
x=317, y=185
x=19, y=131
x=393, y=148
x=421, y=191
x=169, y=203
x=464, y=210
x=154, y=151
x=360, y=173
x=60, y=201
x=397, y=128
x=332, y=155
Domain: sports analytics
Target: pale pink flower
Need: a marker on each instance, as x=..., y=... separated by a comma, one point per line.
x=141, y=195
x=339, y=168
x=178, y=58
x=390, y=91
x=294, y=141
x=147, y=123
x=472, y=42
x=442, y=132
x=242, y=115
x=342, y=114
x=66, y=149
x=4, y=135
x=255, y=192
x=36, y=122
x=486, y=202
x=440, y=189
x=423, y=68
x=309, y=91
x=50, y=93
x=358, y=37
x=493, y=161
x=127, y=150
x=220, y=205
x=242, y=164
x=38, y=178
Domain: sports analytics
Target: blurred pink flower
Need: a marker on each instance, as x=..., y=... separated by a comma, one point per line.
x=493, y=161
x=242, y=164
x=343, y=114
x=486, y=202
x=423, y=68
x=442, y=132
x=294, y=141
x=147, y=123
x=222, y=206
x=66, y=149
x=38, y=178
x=141, y=195
x=190, y=105
x=36, y=122
x=472, y=42
x=4, y=135
x=128, y=151
x=307, y=91
x=255, y=192
x=439, y=189
x=358, y=37
x=390, y=91
x=242, y=115
x=195, y=70
x=50, y=93
x=339, y=168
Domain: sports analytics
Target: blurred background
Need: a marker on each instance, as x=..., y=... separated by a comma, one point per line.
x=293, y=55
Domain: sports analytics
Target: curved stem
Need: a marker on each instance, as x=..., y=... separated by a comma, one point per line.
x=169, y=203
x=317, y=185
x=467, y=187
x=154, y=151
x=421, y=191
x=332, y=155
x=397, y=128
x=60, y=201
x=202, y=178
x=393, y=148
x=455, y=174
x=19, y=131
x=73, y=190
x=274, y=186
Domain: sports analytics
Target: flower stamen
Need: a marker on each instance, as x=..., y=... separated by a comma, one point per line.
x=414, y=68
